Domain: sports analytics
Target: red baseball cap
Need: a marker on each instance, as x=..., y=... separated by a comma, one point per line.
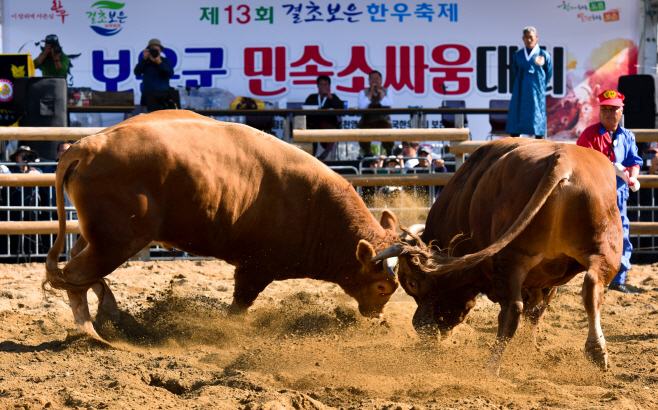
x=611, y=97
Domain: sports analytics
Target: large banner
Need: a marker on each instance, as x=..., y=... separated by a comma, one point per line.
x=428, y=52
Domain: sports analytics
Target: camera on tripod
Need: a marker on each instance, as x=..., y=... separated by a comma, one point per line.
x=154, y=52
x=54, y=43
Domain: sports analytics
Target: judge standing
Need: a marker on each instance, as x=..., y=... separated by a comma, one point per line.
x=532, y=68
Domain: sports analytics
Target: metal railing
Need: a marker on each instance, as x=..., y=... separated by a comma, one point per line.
x=34, y=202
x=35, y=205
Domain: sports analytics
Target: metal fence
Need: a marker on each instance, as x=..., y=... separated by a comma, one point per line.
x=642, y=206
x=18, y=204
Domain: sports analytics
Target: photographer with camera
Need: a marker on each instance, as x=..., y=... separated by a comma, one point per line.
x=155, y=69
x=52, y=61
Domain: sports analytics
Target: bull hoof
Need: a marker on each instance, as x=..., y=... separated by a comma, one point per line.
x=103, y=316
x=428, y=334
x=493, y=368
x=73, y=336
x=236, y=310
x=597, y=354
x=446, y=333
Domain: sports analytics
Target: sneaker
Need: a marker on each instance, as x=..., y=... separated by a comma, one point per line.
x=323, y=156
x=621, y=288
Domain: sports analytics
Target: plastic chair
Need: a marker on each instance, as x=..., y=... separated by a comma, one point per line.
x=448, y=120
x=498, y=121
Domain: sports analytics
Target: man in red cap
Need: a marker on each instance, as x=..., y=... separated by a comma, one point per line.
x=618, y=144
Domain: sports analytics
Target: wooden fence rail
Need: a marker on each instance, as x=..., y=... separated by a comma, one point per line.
x=414, y=134
x=36, y=227
x=438, y=179
x=47, y=133
x=51, y=227
x=386, y=135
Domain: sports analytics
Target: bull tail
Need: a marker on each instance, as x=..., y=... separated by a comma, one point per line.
x=54, y=275
x=449, y=266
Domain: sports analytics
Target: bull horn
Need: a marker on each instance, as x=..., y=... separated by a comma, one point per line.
x=389, y=267
x=413, y=230
x=390, y=252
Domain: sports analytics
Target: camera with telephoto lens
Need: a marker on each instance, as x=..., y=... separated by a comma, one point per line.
x=154, y=52
x=54, y=43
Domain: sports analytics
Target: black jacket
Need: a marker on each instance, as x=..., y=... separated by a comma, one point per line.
x=315, y=122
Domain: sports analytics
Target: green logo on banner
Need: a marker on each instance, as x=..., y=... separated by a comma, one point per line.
x=596, y=5
x=107, y=18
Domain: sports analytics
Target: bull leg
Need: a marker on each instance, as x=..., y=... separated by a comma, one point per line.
x=86, y=270
x=595, y=348
x=248, y=285
x=507, y=283
x=107, y=304
x=81, y=315
x=79, y=245
x=534, y=312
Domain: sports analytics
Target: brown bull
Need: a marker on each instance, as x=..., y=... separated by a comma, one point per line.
x=214, y=189
x=534, y=214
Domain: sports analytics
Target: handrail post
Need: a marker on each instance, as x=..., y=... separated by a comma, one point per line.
x=459, y=160
x=299, y=123
x=287, y=135
x=459, y=120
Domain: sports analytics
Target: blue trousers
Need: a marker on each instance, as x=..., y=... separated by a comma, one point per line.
x=622, y=196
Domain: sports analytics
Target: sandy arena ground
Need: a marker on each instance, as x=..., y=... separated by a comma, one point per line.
x=304, y=346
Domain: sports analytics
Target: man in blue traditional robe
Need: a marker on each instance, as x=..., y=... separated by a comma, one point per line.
x=532, y=68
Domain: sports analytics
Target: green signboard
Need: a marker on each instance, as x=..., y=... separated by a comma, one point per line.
x=596, y=5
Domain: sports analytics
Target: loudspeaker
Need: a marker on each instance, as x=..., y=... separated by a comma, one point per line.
x=41, y=102
x=641, y=100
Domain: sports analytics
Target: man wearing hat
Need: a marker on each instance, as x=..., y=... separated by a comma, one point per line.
x=155, y=69
x=25, y=154
x=52, y=61
x=618, y=144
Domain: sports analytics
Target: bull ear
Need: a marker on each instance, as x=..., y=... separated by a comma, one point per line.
x=388, y=220
x=365, y=252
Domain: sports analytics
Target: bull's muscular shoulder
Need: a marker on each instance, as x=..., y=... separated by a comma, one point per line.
x=452, y=207
x=175, y=137
x=502, y=157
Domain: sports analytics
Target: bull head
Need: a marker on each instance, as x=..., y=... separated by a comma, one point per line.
x=379, y=280
x=442, y=305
